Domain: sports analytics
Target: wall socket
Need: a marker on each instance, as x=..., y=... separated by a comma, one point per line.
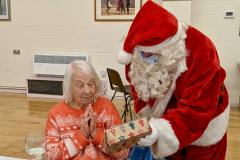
x=16, y=52
x=229, y=14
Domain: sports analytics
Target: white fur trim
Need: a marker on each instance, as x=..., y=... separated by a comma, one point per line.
x=71, y=148
x=167, y=142
x=215, y=130
x=124, y=57
x=160, y=105
x=149, y=140
x=181, y=34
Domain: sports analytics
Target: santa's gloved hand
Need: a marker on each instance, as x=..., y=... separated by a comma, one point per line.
x=149, y=139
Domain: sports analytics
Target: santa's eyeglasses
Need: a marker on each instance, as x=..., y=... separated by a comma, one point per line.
x=148, y=57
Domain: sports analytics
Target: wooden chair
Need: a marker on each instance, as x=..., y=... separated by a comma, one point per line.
x=117, y=85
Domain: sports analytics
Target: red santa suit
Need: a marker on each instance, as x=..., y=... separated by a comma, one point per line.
x=190, y=120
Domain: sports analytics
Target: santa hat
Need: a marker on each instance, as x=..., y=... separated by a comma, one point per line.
x=151, y=26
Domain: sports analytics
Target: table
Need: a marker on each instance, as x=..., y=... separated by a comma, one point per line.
x=9, y=158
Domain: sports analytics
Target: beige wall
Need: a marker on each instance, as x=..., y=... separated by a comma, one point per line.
x=69, y=26
x=59, y=26
x=56, y=25
x=208, y=16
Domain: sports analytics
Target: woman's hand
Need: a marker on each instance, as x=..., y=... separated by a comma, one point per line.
x=85, y=127
x=85, y=123
x=92, y=127
x=105, y=146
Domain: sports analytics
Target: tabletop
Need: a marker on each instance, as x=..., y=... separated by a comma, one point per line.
x=9, y=158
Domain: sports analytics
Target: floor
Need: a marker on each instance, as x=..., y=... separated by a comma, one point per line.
x=20, y=115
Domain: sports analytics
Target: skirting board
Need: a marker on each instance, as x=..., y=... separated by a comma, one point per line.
x=8, y=89
x=23, y=90
x=33, y=95
x=9, y=158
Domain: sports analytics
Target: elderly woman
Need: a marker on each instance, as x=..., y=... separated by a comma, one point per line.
x=75, y=127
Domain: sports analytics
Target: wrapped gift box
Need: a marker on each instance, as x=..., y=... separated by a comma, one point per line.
x=126, y=135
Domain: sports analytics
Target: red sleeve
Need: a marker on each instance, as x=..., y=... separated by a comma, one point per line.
x=79, y=140
x=54, y=147
x=57, y=148
x=115, y=119
x=197, y=93
x=99, y=138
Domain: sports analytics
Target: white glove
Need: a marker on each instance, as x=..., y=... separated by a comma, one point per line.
x=149, y=139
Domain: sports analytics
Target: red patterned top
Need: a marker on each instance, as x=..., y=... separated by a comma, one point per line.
x=65, y=139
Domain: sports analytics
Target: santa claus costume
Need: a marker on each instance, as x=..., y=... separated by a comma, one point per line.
x=180, y=86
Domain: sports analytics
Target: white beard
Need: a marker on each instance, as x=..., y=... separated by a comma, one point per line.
x=154, y=80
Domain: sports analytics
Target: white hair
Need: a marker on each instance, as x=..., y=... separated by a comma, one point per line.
x=154, y=80
x=77, y=65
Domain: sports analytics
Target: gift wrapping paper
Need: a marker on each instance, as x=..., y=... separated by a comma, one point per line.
x=126, y=135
